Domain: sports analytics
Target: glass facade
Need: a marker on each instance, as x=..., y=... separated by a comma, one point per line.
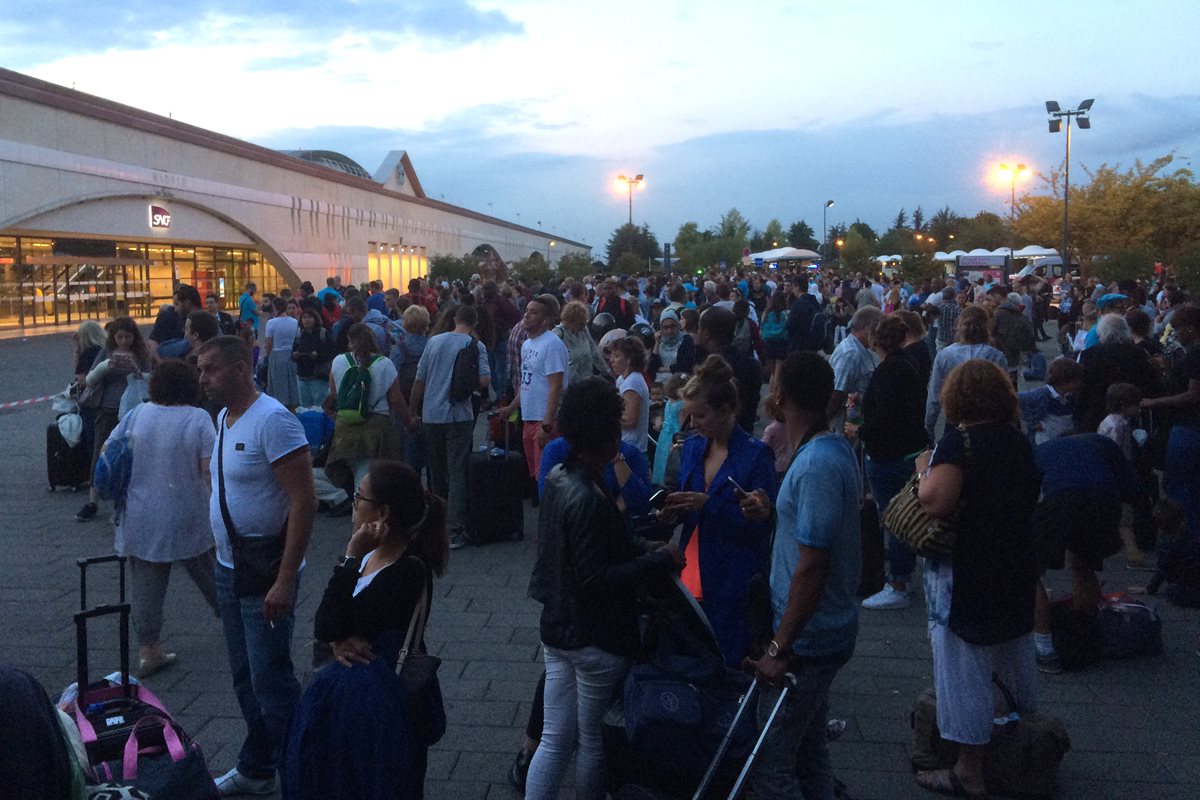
x=65, y=281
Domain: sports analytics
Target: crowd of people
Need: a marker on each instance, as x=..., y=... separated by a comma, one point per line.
x=771, y=405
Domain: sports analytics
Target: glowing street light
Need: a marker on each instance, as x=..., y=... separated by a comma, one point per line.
x=627, y=184
x=549, y=244
x=824, y=226
x=1012, y=174
x=1055, y=123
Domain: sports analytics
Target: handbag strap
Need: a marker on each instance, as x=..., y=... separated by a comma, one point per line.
x=230, y=528
x=416, y=625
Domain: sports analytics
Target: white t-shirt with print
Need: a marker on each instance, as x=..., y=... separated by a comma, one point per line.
x=540, y=358
x=265, y=433
x=383, y=375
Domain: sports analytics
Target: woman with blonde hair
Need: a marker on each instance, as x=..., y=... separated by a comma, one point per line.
x=583, y=356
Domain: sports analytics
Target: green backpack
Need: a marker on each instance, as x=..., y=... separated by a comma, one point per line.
x=354, y=393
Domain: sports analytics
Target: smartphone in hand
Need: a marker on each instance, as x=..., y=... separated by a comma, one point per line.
x=737, y=489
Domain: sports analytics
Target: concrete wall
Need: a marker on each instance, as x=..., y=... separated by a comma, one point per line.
x=63, y=172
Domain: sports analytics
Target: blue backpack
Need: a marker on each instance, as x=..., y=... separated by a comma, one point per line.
x=1037, y=368
x=774, y=326
x=114, y=467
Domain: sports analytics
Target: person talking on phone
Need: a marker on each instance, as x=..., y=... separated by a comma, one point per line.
x=724, y=546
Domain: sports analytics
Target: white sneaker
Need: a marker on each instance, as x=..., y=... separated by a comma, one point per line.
x=887, y=598
x=234, y=783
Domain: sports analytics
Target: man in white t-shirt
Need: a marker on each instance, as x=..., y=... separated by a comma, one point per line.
x=261, y=472
x=543, y=379
x=447, y=426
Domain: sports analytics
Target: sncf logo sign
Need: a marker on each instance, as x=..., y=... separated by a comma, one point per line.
x=159, y=217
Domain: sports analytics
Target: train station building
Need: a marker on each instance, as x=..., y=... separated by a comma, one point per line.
x=104, y=208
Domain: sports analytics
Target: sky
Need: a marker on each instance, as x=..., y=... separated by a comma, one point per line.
x=529, y=109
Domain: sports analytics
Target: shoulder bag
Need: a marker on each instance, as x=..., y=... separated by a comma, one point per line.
x=917, y=529
x=418, y=674
x=256, y=559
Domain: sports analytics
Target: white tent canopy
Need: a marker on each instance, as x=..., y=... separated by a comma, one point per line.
x=785, y=254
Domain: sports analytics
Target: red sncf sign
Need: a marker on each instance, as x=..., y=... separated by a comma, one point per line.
x=159, y=217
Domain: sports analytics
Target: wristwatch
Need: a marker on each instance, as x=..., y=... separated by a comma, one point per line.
x=773, y=649
x=348, y=562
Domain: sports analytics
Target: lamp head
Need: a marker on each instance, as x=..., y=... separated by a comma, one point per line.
x=1086, y=104
x=1055, y=125
x=829, y=204
x=1084, y=122
x=1052, y=106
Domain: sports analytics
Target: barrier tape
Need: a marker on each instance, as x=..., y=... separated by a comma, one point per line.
x=21, y=405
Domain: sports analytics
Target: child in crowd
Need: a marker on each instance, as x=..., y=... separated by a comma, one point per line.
x=1047, y=411
x=775, y=436
x=1122, y=401
x=670, y=426
x=1178, y=556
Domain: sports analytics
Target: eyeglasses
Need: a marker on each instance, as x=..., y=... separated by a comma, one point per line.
x=359, y=497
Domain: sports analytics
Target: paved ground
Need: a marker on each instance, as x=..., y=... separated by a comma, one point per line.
x=1134, y=725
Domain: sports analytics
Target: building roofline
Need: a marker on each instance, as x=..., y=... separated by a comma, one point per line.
x=35, y=90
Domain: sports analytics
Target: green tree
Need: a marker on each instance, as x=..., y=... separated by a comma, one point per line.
x=985, y=229
x=1129, y=263
x=1150, y=207
x=919, y=267
x=574, y=265
x=901, y=220
x=942, y=226
x=632, y=239
x=734, y=226
x=801, y=235
x=897, y=241
x=628, y=264
x=855, y=255
x=533, y=269
x=866, y=231
x=918, y=220
x=447, y=267
x=775, y=237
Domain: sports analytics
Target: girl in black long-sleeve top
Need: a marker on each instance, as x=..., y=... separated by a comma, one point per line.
x=399, y=543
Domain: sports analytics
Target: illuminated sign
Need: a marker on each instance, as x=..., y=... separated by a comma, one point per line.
x=160, y=217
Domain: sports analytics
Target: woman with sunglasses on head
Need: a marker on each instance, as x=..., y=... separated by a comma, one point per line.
x=356, y=704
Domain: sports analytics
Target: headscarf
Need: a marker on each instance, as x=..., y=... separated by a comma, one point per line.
x=668, y=347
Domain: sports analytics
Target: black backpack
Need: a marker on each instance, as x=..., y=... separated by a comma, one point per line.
x=820, y=333
x=464, y=379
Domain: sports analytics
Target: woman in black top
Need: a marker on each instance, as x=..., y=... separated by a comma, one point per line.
x=980, y=601
x=893, y=433
x=357, y=707
x=588, y=568
x=311, y=354
x=916, y=347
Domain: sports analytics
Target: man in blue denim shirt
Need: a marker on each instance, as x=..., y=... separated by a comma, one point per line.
x=814, y=576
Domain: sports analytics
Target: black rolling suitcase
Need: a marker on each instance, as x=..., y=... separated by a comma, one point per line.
x=496, y=479
x=65, y=465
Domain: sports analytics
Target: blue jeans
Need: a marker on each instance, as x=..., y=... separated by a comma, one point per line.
x=794, y=759
x=887, y=478
x=260, y=658
x=579, y=688
x=498, y=363
x=313, y=392
x=1181, y=478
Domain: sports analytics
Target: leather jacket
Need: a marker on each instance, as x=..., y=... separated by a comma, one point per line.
x=589, y=565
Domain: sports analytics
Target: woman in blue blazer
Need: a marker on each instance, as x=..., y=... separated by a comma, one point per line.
x=732, y=547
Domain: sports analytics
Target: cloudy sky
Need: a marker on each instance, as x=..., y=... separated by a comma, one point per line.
x=528, y=109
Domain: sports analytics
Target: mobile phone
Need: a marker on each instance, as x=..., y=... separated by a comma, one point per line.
x=736, y=488
x=659, y=499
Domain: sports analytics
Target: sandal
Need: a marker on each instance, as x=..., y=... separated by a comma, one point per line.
x=149, y=666
x=946, y=781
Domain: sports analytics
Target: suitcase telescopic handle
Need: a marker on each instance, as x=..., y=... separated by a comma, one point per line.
x=84, y=563
x=713, y=765
x=81, y=644
x=789, y=683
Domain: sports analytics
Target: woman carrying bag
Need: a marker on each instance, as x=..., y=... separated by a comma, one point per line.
x=373, y=613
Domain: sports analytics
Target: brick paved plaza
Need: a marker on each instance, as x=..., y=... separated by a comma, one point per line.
x=1134, y=726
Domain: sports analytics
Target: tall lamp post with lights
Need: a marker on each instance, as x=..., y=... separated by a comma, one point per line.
x=1012, y=172
x=1057, y=115
x=639, y=181
x=824, y=228
x=549, y=244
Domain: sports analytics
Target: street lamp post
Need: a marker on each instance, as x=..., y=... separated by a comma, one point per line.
x=1057, y=115
x=637, y=180
x=549, y=244
x=1013, y=173
x=824, y=228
